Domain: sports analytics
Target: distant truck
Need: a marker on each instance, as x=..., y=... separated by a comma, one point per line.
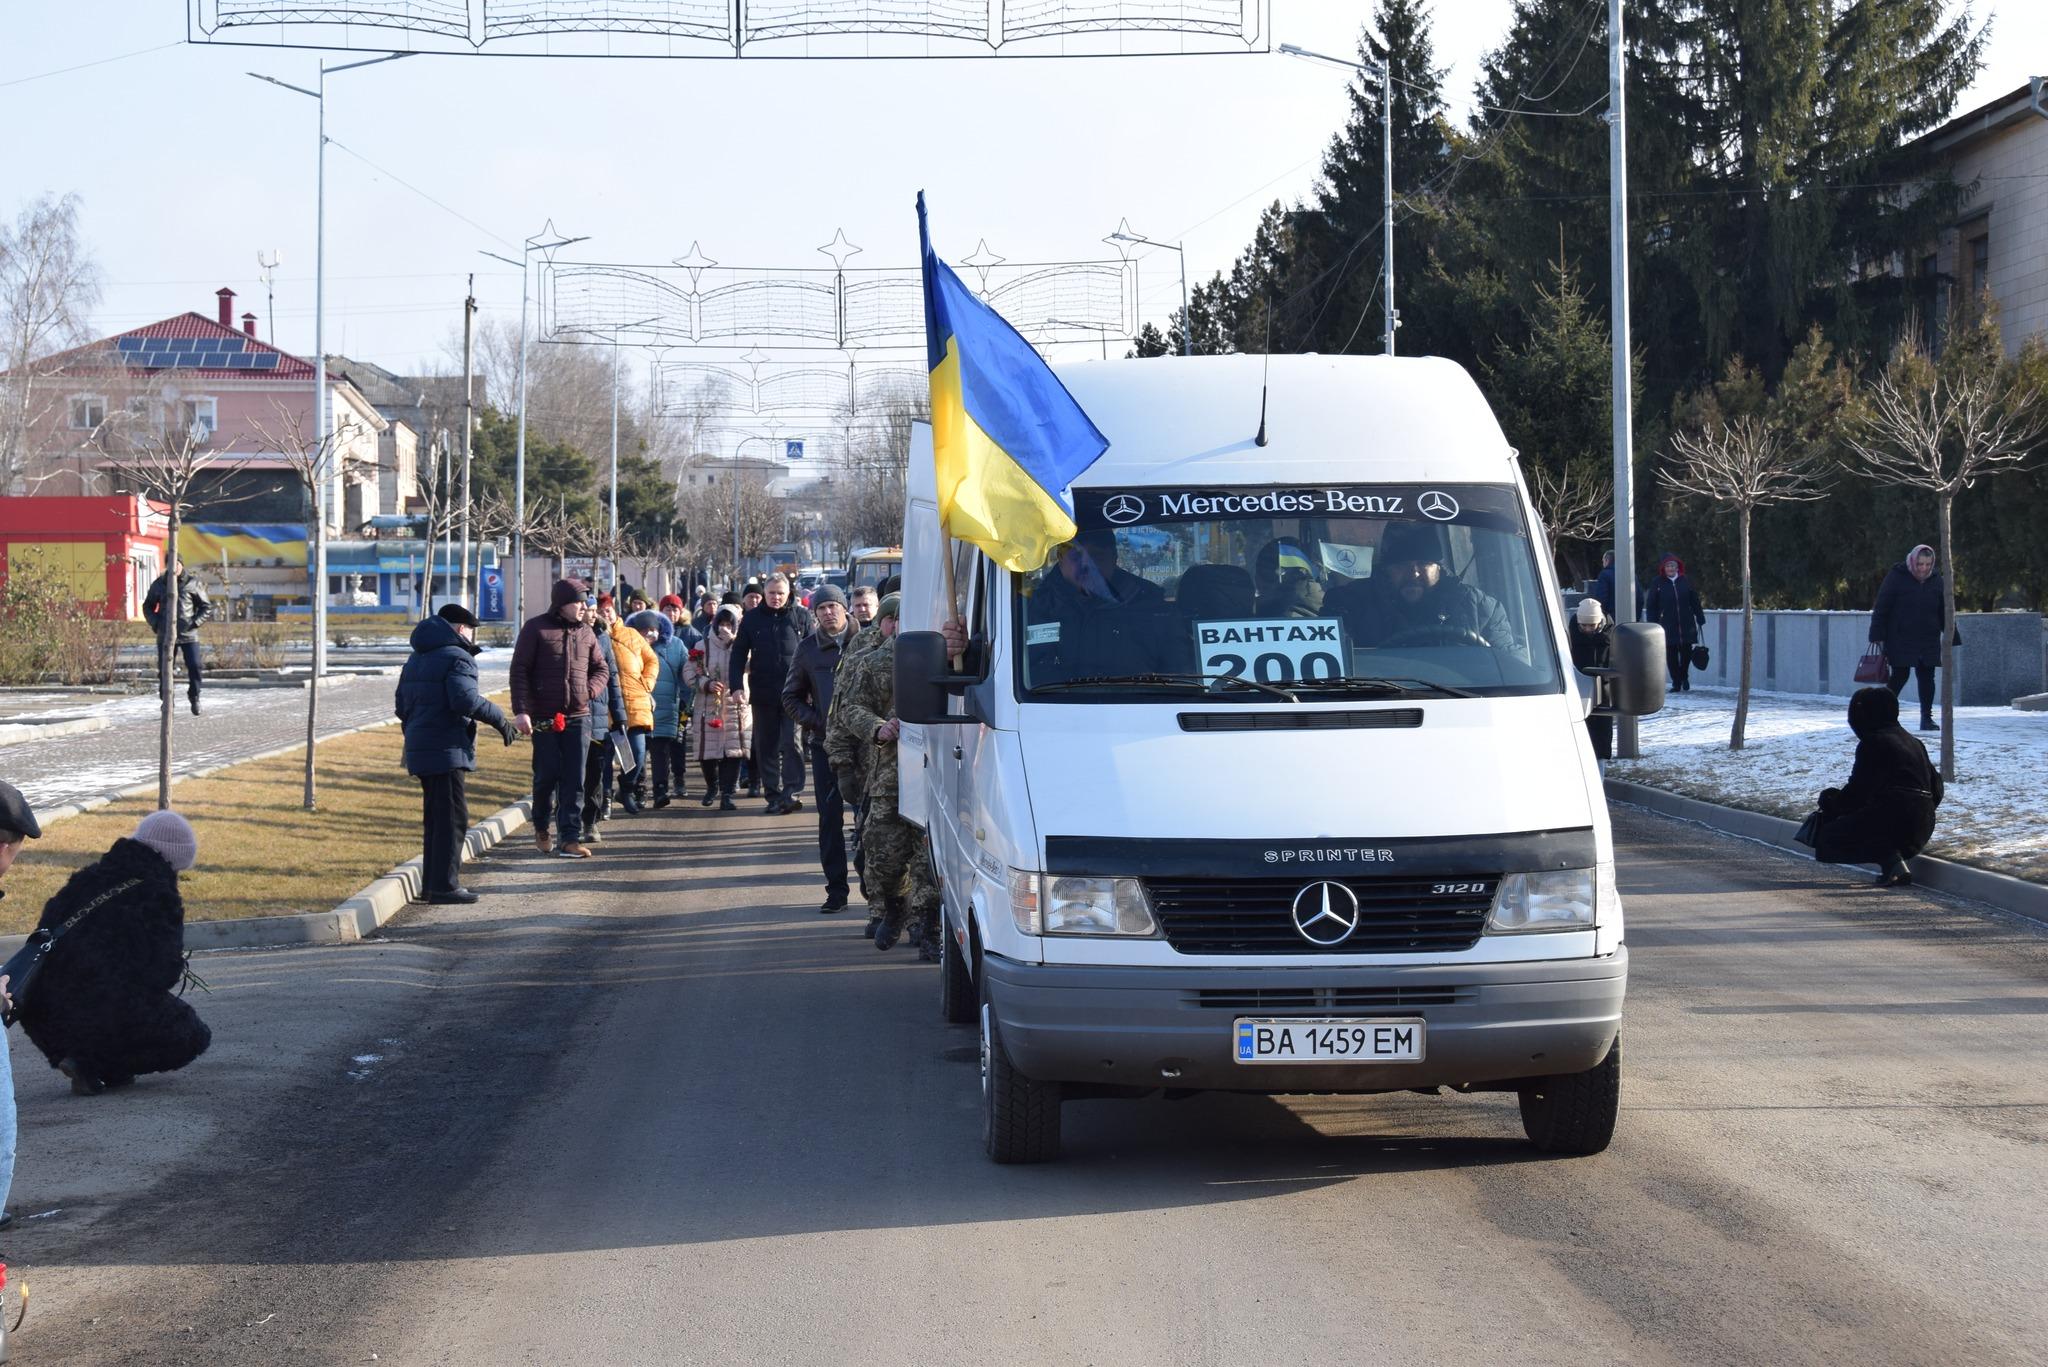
x=868, y=566
x=1275, y=780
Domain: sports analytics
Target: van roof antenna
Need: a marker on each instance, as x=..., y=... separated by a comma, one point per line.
x=1260, y=440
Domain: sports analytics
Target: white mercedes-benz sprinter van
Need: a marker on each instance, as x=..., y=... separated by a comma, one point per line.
x=1276, y=779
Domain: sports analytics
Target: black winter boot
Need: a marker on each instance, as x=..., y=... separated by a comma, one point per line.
x=895, y=911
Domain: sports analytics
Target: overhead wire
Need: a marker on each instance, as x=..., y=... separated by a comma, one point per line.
x=102, y=61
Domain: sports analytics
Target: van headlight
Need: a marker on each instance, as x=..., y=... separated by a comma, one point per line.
x=1532, y=903
x=1063, y=904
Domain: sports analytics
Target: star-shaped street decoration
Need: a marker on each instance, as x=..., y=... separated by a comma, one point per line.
x=695, y=262
x=839, y=249
x=982, y=260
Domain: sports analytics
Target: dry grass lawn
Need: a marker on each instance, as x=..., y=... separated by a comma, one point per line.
x=260, y=852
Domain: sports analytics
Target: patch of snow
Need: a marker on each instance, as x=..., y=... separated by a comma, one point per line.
x=1994, y=814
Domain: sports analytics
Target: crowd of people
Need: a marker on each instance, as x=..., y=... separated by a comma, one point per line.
x=765, y=696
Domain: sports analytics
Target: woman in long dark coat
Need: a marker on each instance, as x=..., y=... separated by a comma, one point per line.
x=101, y=1007
x=1906, y=625
x=1885, y=813
x=1672, y=604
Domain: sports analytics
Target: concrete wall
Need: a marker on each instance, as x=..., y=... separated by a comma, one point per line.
x=2002, y=656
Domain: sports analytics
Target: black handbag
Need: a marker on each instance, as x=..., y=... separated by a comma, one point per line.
x=1808, y=833
x=26, y=963
x=1700, y=657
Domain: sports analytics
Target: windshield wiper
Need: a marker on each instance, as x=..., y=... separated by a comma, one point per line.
x=1387, y=684
x=1204, y=682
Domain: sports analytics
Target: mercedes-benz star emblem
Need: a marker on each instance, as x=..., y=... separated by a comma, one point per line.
x=1326, y=913
x=1438, y=504
x=1123, y=510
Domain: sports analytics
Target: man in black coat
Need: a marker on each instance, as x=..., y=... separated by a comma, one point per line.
x=761, y=656
x=557, y=672
x=192, y=609
x=1672, y=604
x=1885, y=813
x=439, y=705
x=807, y=699
x=1410, y=599
x=101, y=1008
x=1906, y=626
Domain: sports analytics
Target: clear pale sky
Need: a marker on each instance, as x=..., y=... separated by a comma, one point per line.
x=187, y=168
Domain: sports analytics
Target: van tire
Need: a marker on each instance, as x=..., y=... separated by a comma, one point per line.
x=1020, y=1117
x=1574, y=1113
x=956, y=982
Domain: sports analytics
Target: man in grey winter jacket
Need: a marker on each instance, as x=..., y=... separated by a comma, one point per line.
x=806, y=699
x=192, y=608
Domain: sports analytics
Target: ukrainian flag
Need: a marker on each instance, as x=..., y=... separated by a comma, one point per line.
x=1008, y=436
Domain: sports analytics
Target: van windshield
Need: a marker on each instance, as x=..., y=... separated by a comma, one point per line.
x=1334, y=591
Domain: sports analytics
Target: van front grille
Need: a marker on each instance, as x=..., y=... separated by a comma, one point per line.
x=1380, y=719
x=1256, y=915
x=1328, y=998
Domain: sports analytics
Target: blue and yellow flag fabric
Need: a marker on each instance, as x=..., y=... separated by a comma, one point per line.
x=1008, y=437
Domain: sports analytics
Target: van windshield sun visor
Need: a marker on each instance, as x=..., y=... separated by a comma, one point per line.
x=1475, y=505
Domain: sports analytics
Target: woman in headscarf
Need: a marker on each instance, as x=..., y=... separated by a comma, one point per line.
x=100, y=1007
x=1672, y=604
x=722, y=724
x=1885, y=813
x=1906, y=626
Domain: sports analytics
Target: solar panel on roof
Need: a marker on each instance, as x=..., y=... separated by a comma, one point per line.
x=230, y=345
x=128, y=343
x=266, y=360
x=156, y=344
x=243, y=361
x=182, y=343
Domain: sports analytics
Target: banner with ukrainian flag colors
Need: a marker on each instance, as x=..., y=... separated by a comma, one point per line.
x=1008, y=437
x=242, y=543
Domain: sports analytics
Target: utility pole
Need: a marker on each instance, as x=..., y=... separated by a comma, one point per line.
x=468, y=432
x=1387, y=195
x=276, y=259
x=1627, y=745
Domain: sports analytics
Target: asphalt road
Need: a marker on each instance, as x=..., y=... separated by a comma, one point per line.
x=654, y=1109
x=234, y=723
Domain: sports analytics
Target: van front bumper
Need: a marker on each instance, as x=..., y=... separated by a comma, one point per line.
x=1173, y=1027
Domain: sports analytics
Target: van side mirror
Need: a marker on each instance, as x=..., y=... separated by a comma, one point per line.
x=924, y=681
x=1637, y=684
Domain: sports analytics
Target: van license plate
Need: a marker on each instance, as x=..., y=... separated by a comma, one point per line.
x=1295, y=1039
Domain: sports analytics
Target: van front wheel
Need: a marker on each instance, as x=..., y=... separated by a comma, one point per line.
x=956, y=982
x=1020, y=1117
x=1574, y=1112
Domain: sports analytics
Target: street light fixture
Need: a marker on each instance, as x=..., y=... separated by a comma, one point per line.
x=1123, y=233
x=532, y=244
x=1386, y=80
x=321, y=455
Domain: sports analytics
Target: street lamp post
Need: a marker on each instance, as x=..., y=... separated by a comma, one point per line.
x=1386, y=80
x=1187, y=316
x=321, y=455
x=532, y=244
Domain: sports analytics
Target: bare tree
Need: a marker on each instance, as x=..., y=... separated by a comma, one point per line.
x=339, y=459
x=734, y=516
x=48, y=284
x=1743, y=465
x=1941, y=426
x=158, y=454
x=873, y=460
x=1574, y=503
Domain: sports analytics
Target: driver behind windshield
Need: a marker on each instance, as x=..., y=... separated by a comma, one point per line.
x=1086, y=616
x=1409, y=599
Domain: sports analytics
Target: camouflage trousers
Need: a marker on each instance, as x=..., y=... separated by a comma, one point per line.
x=898, y=866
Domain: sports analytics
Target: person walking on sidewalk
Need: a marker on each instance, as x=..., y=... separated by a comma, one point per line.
x=721, y=723
x=1905, y=624
x=761, y=656
x=602, y=756
x=638, y=668
x=556, y=673
x=439, y=705
x=807, y=697
x=665, y=753
x=192, y=608
x=1671, y=603
x=17, y=827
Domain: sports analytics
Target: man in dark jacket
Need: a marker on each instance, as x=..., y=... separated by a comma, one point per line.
x=1885, y=813
x=1411, y=599
x=1671, y=603
x=807, y=699
x=439, y=704
x=1906, y=626
x=597, y=759
x=193, y=608
x=1603, y=587
x=761, y=656
x=556, y=673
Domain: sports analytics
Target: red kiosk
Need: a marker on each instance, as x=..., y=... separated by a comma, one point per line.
x=110, y=548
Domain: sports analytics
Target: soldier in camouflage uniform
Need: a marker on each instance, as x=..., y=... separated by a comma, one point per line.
x=863, y=723
x=848, y=758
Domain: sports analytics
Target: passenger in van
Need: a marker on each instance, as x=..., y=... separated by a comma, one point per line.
x=1410, y=600
x=1086, y=616
x=1289, y=585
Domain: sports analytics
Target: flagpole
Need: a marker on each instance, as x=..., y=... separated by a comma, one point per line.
x=952, y=589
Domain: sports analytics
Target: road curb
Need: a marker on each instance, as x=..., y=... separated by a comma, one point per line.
x=2015, y=895
x=13, y=732
x=354, y=919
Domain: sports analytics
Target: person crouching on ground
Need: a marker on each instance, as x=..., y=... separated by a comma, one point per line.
x=101, y=1009
x=557, y=672
x=439, y=705
x=1885, y=813
x=721, y=722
